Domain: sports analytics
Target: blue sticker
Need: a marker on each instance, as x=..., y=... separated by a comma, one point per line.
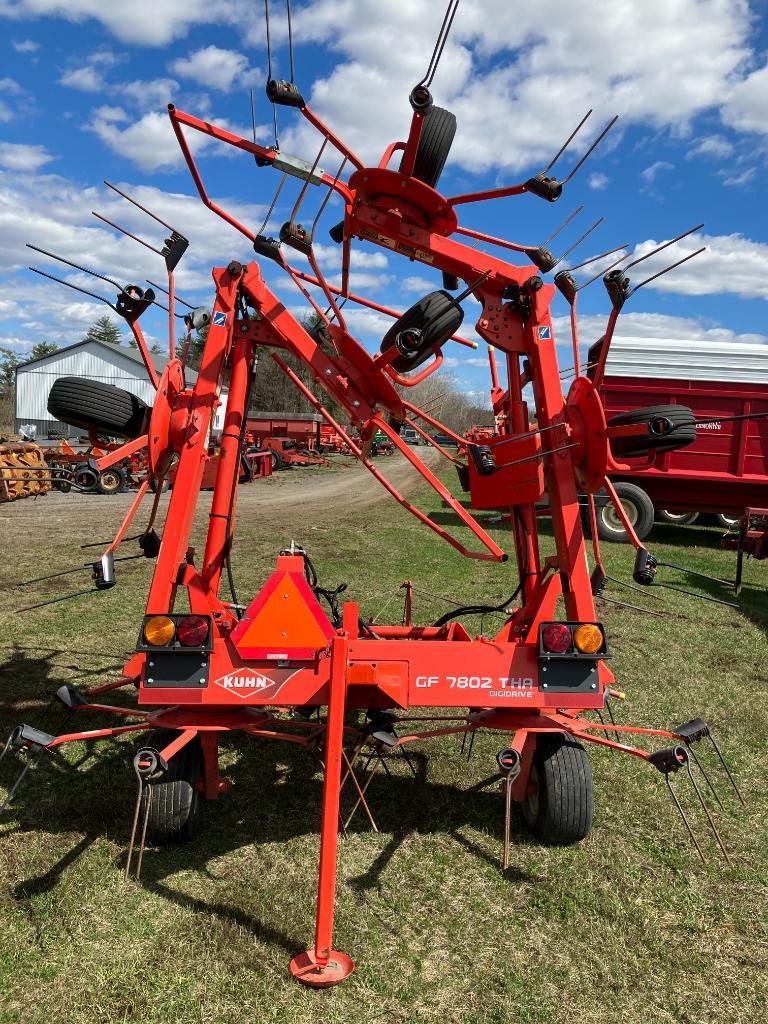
x=545, y=334
x=219, y=319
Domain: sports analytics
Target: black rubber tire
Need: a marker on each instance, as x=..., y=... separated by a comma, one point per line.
x=277, y=460
x=638, y=507
x=560, y=812
x=111, y=481
x=435, y=142
x=437, y=316
x=681, y=434
x=94, y=405
x=726, y=521
x=176, y=805
x=160, y=485
x=676, y=518
x=87, y=479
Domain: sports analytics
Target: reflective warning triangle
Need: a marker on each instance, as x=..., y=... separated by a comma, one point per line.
x=285, y=620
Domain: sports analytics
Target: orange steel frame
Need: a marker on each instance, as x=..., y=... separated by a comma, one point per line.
x=399, y=667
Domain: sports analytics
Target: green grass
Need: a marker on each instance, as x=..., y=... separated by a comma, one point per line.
x=627, y=926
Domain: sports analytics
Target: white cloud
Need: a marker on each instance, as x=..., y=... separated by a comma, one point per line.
x=214, y=67
x=18, y=157
x=598, y=181
x=737, y=180
x=147, y=93
x=25, y=45
x=145, y=22
x=731, y=264
x=715, y=147
x=652, y=325
x=661, y=62
x=418, y=285
x=747, y=104
x=13, y=100
x=650, y=174
x=86, y=78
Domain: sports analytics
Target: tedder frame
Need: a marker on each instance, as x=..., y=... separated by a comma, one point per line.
x=269, y=669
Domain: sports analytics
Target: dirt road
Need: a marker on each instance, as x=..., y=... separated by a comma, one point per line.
x=346, y=485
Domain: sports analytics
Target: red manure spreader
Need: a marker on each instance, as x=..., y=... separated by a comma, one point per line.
x=288, y=667
x=725, y=470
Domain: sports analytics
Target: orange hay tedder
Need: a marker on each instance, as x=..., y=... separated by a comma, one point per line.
x=287, y=668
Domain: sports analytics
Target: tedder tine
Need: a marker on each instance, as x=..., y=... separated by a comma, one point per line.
x=667, y=761
x=706, y=810
x=727, y=769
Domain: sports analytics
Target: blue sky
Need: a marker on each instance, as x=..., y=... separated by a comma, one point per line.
x=83, y=93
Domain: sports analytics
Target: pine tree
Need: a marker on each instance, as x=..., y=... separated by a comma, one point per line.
x=43, y=349
x=104, y=329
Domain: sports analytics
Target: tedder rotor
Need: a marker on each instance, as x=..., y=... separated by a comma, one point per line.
x=286, y=668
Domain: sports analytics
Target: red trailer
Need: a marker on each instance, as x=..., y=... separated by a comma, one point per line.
x=293, y=439
x=725, y=470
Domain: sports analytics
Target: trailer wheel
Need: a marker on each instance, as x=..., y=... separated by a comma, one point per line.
x=176, y=805
x=559, y=808
x=677, y=518
x=111, y=481
x=639, y=509
x=669, y=427
x=277, y=460
x=435, y=142
x=727, y=522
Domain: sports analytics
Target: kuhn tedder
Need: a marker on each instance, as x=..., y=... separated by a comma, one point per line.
x=271, y=668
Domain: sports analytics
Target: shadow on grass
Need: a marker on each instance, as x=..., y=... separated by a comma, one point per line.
x=269, y=803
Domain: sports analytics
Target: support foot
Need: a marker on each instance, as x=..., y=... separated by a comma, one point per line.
x=306, y=969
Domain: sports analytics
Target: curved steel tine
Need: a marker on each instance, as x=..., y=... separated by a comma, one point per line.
x=664, y=245
x=263, y=227
x=305, y=186
x=324, y=203
x=567, y=221
x=601, y=272
x=578, y=241
x=567, y=142
x=140, y=207
x=682, y=813
x=602, y=255
x=592, y=148
x=727, y=769
x=700, y=766
x=176, y=297
x=69, y=263
x=666, y=270
x=128, y=233
x=706, y=810
x=84, y=291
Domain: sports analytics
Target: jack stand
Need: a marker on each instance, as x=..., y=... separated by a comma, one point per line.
x=322, y=966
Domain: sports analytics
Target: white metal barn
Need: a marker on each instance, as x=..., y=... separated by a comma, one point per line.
x=97, y=360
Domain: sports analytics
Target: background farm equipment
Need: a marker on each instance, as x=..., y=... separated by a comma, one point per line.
x=23, y=470
x=292, y=440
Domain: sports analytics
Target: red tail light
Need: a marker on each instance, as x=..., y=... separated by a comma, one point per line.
x=192, y=630
x=556, y=637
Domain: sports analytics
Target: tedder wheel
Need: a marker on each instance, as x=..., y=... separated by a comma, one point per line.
x=276, y=459
x=94, y=405
x=669, y=427
x=111, y=481
x=85, y=477
x=677, y=518
x=174, y=812
x=435, y=141
x=639, y=509
x=559, y=807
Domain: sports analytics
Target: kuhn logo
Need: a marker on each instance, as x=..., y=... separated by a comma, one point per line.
x=247, y=683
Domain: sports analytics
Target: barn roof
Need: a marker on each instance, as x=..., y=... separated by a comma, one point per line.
x=158, y=359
